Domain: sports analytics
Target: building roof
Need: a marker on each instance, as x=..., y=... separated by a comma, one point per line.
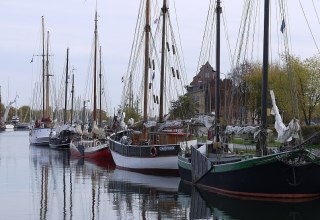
x=206, y=74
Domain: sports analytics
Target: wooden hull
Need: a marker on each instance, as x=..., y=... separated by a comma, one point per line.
x=39, y=136
x=273, y=176
x=90, y=149
x=152, y=159
x=61, y=140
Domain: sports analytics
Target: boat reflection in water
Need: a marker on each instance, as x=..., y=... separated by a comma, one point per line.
x=210, y=205
x=155, y=196
x=64, y=188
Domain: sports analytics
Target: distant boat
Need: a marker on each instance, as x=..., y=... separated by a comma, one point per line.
x=8, y=125
x=15, y=120
x=40, y=132
x=291, y=173
x=94, y=145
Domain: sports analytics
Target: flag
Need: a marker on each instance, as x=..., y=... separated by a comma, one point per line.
x=283, y=26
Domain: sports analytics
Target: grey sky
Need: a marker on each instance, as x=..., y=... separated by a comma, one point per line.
x=71, y=24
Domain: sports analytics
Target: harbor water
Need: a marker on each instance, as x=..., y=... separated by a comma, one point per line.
x=42, y=183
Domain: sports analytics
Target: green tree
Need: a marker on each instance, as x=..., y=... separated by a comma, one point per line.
x=24, y=113
x=183, y=108
x=132, y=112
x=313, y=90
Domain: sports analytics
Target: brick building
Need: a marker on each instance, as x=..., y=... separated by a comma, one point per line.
x=202, y=91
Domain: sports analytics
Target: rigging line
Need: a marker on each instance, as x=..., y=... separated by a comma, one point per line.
x=179, y=36
x=246, y=33
x=227, y=36
x=242, y=30
x=315, y=11
x=278, y=25
x=291, y=75
x=136, y=30
x=178, y=63
x=204, y=34
x=254, y=28
x=309, y=27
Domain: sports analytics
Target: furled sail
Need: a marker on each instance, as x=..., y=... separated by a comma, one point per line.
x=285, y=133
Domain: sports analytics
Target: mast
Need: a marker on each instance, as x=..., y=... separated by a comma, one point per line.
x=265, y=77
x=162, y=74
x=100, y=90
x=217, y=81
x=146, y=65
x=66, y=89
x=43, y=69
x=72, y=94
x=47, y=78
x=95, y=70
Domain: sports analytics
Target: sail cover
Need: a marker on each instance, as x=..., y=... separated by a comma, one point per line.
x=285, y=133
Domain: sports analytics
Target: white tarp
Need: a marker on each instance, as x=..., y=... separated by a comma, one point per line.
x=241, y=129
x=206, y=120
x=285, y=133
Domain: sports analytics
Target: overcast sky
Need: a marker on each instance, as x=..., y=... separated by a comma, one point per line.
x=71, y=24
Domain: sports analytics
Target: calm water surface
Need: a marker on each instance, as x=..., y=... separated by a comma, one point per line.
x=40, y=183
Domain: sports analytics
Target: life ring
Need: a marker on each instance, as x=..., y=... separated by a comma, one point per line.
x=153, y=151
x=98, y=143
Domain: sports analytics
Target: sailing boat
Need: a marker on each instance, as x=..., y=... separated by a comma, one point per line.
x=63, y=134
x=8, y=126
x=150, y=146
x=293, y=173
x=39, y=134
x=95, y=146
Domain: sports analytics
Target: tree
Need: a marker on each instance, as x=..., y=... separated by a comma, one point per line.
x=183, y=108
x=132, y=112
x=24, y=113
x=308, y=81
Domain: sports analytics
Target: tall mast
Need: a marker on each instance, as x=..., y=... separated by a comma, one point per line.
x=72, y=94
x=265, y=77
x=43, y=69
x=217, y=81
x=66, y=89
x=47, y=77
x=100, y=90
x=95, y=70
x=146, y=64
x=162, y=74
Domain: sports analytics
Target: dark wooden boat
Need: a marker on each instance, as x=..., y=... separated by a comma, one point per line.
x=291, y=173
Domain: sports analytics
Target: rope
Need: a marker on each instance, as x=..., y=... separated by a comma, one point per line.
x=304, y=14
x=315, y=11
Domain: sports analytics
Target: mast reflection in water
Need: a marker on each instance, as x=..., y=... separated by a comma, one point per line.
x=79, y=189
x=42, y=183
